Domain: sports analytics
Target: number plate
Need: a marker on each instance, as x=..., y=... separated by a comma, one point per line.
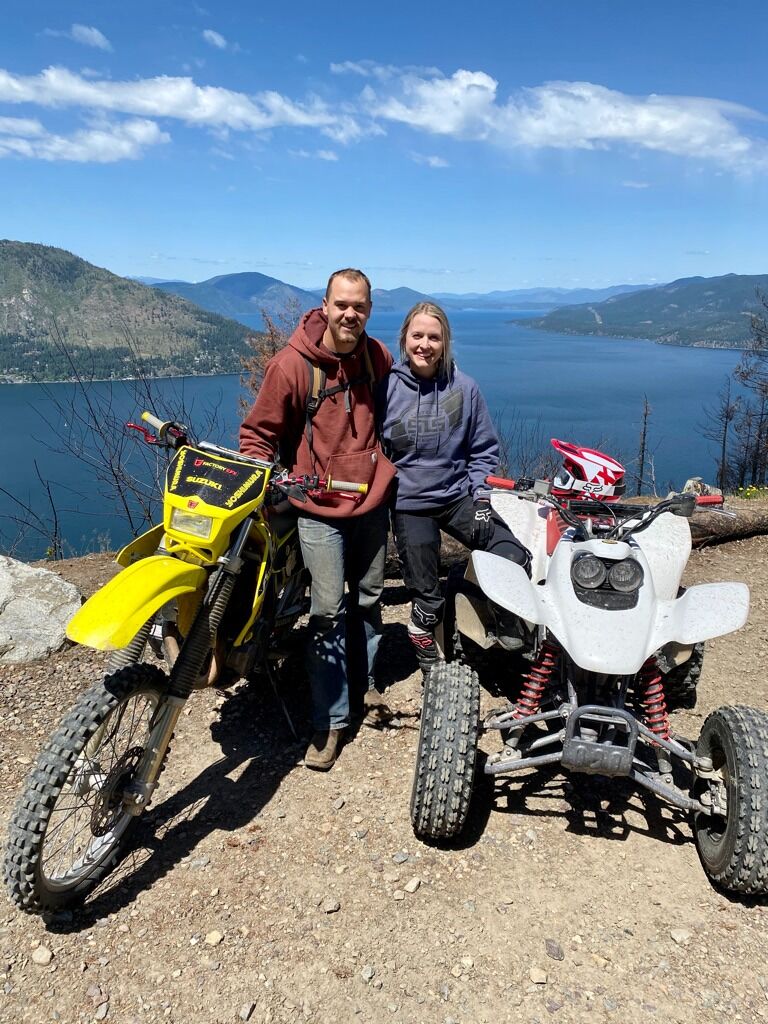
x=590, y=755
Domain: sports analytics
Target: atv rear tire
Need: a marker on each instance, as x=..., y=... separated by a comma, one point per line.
x=734, y=847
x=445, y=767
x=70, y=827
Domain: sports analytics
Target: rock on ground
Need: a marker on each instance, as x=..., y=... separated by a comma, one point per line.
x=35, y=607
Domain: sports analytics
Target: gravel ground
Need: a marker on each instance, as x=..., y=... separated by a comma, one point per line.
x=261, y=891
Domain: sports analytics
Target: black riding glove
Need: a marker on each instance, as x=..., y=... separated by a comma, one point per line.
x=482, y=524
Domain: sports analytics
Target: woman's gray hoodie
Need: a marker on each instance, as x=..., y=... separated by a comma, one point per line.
x=439, y=434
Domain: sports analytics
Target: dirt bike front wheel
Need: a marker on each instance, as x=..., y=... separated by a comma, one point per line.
x=70, y=825
x=733, y=840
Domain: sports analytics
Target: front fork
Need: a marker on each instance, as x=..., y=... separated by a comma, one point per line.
x=184, y=674
x=138, y=792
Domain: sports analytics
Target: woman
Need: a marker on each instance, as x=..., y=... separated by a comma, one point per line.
x=437, y=430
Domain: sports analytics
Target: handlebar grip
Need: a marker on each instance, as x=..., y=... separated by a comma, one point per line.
x=502, y=482
x=153, y=421
x=345, y=485
x=709, y=499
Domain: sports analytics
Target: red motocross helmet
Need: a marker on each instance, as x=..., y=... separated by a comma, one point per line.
x=586, y=473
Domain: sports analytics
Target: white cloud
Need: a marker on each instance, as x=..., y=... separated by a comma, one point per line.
x=366, y=68
x=635, y=184
x=215, y=39
x=86, y=35
x=179, y=98
x=383, y=72
x=569, y=115
x=464, y=106
x=429, y=161
x=90, y=36
x=103, y=144
x=21, y=126
x=318, y=154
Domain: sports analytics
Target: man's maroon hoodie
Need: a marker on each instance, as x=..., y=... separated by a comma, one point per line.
x=344, y=444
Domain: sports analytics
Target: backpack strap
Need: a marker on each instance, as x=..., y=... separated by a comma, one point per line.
x=317, y=392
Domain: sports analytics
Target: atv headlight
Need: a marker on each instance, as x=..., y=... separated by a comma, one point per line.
x=588, y=571
x=626, y=576
x=191, y=523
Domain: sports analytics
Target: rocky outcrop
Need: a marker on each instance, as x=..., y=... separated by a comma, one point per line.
x=35, y=607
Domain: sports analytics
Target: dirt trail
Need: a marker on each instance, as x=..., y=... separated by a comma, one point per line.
x=563, y=902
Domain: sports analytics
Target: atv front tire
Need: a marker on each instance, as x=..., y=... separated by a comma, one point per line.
x=445, y=766
x=733, y=846
x=70, y=826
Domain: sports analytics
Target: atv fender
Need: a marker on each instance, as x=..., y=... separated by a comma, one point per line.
x=702, y=613
x=113, y=616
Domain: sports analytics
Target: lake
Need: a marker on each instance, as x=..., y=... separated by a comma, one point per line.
x=583, y=389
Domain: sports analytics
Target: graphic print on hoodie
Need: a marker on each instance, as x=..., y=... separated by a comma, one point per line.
x=426, y=425
x=439, y=434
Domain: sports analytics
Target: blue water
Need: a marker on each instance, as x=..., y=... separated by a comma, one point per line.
x=583, y=389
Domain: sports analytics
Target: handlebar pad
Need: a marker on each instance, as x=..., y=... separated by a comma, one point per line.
x=345, y=485
x=153, y=421
x=502, y=482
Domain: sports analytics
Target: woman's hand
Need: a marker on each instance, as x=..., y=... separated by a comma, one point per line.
x=482, y=524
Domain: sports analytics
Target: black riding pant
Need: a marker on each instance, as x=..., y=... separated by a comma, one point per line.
x=417, y=536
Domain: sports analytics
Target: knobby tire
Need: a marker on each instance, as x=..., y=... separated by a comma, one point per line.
x=734, y=848
x=57, y=774
x=447, y=751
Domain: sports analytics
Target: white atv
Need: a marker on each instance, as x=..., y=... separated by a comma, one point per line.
x=608, y=627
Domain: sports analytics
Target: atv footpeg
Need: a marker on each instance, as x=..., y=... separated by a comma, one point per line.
x=584, y=751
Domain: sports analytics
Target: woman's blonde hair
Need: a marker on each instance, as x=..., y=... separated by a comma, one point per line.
x=430, y=309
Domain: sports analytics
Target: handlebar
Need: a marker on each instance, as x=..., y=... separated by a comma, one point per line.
x=174, y=435
x=291, y=485
x=168, y=433
x=153, y=421
x=627, y=519
x=344, y=485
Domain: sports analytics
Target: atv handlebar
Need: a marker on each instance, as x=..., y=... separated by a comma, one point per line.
x=627, y=519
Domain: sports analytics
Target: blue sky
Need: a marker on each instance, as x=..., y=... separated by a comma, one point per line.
x=449, y=147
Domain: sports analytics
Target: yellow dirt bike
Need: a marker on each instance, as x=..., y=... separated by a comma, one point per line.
x=215, y=589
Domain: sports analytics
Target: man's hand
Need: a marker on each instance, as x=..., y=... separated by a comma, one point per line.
x=482, y=524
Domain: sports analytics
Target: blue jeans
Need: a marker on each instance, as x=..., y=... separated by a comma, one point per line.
x=344, y=633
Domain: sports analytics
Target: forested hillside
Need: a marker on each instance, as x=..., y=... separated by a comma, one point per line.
x=59, y=314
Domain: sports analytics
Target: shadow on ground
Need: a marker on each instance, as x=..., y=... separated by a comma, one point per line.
x=258, y=747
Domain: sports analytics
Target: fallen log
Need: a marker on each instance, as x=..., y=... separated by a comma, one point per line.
x=751, y=519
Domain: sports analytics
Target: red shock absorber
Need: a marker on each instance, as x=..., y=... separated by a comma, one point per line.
x=536, y=682
x=653, y=700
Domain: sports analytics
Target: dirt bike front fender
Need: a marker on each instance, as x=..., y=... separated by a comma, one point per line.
x=113, y=616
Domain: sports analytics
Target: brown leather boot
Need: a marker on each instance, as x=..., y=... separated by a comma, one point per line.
x=376, y=711
x=323, y=749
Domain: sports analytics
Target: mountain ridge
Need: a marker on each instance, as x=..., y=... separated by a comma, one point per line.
x=61, y=316
x=699, y=312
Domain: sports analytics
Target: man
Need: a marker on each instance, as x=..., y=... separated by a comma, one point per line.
x=331, y=431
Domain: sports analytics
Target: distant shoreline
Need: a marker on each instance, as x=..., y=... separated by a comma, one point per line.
x=625, y=337
x=124, y=380
x=513, y=322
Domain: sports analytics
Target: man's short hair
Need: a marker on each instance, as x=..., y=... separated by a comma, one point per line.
x=352, y=274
